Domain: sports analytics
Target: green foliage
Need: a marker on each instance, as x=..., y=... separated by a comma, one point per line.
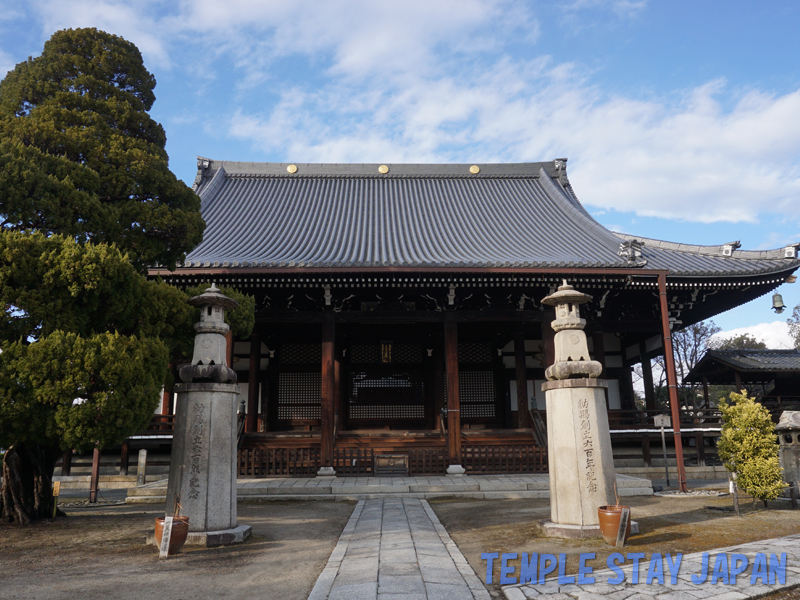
x=80, y=156
x=53, y=283
x=85, y=391
x=241, y=319
x=794, y=326
x=749, y=447
x=744, y=341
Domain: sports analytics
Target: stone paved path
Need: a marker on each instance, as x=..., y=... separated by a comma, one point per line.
x=684, y=589
x=396, y=549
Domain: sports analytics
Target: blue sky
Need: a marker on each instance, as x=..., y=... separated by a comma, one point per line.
x=681, y=120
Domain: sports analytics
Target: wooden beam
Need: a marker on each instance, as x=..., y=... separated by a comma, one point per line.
x=738, y=378
x=705, y=392
x=328, y=392
x=251, y=424
x=453, y=399
x=672, y=381
x=523, y=413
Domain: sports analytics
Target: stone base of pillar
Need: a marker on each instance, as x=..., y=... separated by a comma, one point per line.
x=577, y=532
x=455, y=470
x=212, y=539
x=326, y=472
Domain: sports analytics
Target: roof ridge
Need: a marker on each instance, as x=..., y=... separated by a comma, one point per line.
x=710, y=249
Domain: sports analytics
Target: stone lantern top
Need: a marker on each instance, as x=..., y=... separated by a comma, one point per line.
x=572, y=358
x=213, y=297
x=566, y=300
x=209, y=359
x=789, y=421
x=212, y=304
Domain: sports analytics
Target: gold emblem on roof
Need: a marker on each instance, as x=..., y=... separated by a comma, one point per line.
x=474, y=169
x=292, y=168
x=383, y=169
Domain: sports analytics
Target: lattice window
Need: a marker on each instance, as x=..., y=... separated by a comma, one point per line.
x=476, y=394
x=301, y=354
x=365, y=353
x=407, y=353
x=396, y=396
x=474, y=353
x=299, y=395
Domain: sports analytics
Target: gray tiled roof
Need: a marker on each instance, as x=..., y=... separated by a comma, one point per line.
x=513, y=215
x=757, y=360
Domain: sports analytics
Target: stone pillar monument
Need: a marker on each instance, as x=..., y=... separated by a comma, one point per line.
x=203, y=466
x=579, y=443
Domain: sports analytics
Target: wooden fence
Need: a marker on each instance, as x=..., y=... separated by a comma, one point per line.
x=483, y=460
x=278, y=462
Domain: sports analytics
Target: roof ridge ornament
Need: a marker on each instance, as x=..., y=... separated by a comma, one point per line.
x=632, y=251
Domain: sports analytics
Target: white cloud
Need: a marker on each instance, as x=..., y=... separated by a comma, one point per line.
x=416, y=80
x=6, y=64
x=122, y=18
x=775, y=335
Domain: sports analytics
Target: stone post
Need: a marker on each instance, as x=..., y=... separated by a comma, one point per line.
x=203, y=466
x=579, y=451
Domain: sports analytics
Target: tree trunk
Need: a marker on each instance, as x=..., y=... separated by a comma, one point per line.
x=27, y=492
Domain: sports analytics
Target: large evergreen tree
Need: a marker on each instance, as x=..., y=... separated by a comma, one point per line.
x=80, y=155
x=87, y=202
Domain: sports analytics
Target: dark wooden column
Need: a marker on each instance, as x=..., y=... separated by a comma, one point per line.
x=647, y=377
x=439, y=384
x=500, y=386
x=94, y=479
x=672, y=381
x=523, y=414
x=337, y=394
x=738, y=378
x=453, y=400
x=123, y=458
x=166, y=397
x=251, y=424
x=599, y=351
x=549, y=338
x=328, y=390
x=229, y=348
x=705, y=391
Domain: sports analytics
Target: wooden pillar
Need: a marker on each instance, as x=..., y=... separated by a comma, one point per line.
x=166, y=397
x=523, y=412
x=672, y=380
x=453, y=400
x=337, y=395
x=66, y=463
x=251, y=424
x=549, y=338
x=499, y=387
x=738, y=377
x=328, y=386
x=647, y=377
x=431, y=422
x=705, y=392
x=123, y=458
x=273, y=382
x=439, y=385
x=229, y=347
x=599, y=350
x=94, y=479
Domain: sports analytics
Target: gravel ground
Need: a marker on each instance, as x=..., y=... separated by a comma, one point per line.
x=100, y=553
